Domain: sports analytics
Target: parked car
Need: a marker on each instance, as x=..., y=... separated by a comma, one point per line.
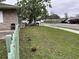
x=26, y=22
x=35, y=23
x=71, y=21
x=38, y=22
x=42, y=21
x=63, y=21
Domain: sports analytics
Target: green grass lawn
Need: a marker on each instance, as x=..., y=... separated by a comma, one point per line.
x=49, y=43
x=3, y=52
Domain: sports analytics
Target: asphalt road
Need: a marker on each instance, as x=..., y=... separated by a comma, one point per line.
x=70, y=26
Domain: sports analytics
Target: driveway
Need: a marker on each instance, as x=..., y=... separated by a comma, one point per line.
x=70, y=26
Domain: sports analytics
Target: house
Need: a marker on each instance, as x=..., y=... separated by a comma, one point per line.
x=8, y=18
x=53, y=21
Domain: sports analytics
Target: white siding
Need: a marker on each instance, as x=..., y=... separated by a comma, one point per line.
x=1, y=17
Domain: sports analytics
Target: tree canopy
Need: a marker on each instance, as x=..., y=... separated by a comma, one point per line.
x=33, y=9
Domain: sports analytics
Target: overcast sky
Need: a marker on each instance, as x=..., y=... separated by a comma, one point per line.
x=12, y=2
x=60, y=6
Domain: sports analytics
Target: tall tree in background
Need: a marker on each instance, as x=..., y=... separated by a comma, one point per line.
x=33, y=9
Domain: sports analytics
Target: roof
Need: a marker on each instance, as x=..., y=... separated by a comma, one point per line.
x=7, y=6
x=2, y=0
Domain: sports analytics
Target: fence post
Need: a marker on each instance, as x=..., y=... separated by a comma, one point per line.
x=9, y=55
x=12, y=44
x=8, y=42
x=17, y=42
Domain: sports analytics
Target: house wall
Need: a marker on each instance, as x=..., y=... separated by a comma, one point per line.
x=9, y=17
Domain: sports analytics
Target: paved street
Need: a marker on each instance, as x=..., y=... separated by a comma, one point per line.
x=70, y=26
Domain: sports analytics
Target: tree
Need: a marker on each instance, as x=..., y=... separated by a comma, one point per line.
x=32, y=9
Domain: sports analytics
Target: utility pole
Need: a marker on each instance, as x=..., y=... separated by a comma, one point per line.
x=66, y=16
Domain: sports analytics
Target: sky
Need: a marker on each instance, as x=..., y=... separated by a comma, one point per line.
x=60, y=7
x=12, y=2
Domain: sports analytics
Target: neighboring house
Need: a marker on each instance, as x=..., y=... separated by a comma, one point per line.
x=53, y=20
x=8, y=17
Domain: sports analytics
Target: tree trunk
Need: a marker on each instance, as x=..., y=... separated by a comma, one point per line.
x=30, y=21
x=34, y=19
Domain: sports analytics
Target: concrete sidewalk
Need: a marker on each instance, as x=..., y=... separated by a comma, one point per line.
x=66, y=29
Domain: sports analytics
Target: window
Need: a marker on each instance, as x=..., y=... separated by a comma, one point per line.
x=12, y=26
x=1, y=17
